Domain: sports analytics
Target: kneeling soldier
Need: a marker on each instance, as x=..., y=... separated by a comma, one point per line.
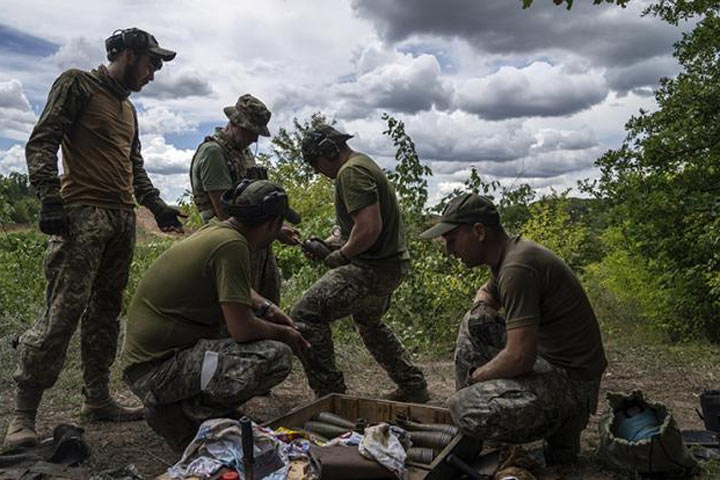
x=177, y=355
x=534, y=374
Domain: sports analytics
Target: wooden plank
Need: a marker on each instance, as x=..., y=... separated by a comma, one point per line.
x=297, y=417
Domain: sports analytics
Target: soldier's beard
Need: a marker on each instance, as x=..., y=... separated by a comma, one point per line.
x=131, y=79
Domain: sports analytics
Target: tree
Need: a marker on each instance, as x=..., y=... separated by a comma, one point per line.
x=663, y=184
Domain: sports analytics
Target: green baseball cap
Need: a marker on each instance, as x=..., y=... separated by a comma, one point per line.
x=466, y=209
x=259, y=199
x=249, y=112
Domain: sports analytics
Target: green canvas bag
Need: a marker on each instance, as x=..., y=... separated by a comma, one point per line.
x=647, y=442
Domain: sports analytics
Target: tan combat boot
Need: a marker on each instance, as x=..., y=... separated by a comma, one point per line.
x=21, y=431
x=108, y=410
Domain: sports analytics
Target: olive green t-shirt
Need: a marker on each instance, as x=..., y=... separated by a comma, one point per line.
x=535, y=287
x=208, y=171
x=178, y=299
x=360, y=182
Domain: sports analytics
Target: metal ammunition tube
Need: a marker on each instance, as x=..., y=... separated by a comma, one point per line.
x=331, y=418
x=327, y=430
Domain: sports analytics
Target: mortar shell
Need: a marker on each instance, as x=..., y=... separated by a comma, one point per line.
x=327, y=430
x=429, y=427
x=421, y=455
x=435, y=440
x=331, y=418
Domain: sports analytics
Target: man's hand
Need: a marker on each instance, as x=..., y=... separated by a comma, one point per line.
x=289, y=235
x=336, y=259
x=294, y=339
x=167, y=217
x=275, y=314
x=53, y=219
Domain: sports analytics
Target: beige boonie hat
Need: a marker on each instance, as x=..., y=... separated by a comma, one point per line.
x=250, y=113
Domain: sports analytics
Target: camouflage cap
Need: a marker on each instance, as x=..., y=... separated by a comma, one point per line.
x=466, y=209
x=250, y=113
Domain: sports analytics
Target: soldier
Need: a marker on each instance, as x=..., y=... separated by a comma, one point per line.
x=177, y=355
x=534, y=374
x=90, y=215
x=365, y=268
x=221, y=161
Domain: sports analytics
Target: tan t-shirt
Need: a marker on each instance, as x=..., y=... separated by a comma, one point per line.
x=96, y=152
x=535, y=287
x=178, y=300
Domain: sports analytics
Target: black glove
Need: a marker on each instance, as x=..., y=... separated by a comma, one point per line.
x=53, y=219
x=166, y=216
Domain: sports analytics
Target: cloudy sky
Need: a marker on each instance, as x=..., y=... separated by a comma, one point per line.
x=527, y=96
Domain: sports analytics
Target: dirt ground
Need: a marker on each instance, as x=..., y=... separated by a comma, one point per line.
x=675, y=376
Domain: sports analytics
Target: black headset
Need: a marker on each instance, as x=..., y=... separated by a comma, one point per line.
x=320, y=144
x=130, y=38
x=273, y=204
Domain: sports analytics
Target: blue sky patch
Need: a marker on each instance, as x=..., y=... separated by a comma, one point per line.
x=15, y=41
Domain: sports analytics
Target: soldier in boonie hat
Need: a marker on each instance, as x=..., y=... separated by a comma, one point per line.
x=222, y=161
x=249, y=112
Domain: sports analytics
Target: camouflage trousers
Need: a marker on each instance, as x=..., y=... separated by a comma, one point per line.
x=86, y=273
x=209, y=380
x=546, y=404
x=265, y=274
x=365, y=294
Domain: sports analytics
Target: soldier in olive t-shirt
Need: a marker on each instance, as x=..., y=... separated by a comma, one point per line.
x=364, y=270
x=199, y=342
x=534, y=374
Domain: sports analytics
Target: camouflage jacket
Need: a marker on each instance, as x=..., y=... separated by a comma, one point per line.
x=66, y=101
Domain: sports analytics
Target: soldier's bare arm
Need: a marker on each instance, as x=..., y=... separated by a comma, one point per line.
x=484, y=295
x=243, y=327
x=67, y=97
x=365, y=232
x=215, y=198
x=516, y=359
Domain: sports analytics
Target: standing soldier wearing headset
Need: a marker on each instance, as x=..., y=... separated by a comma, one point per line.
x=365, y=269
x=224, y=159
x=89, y=213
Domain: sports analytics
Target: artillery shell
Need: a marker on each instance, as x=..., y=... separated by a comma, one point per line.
x=327, y=430
x=428, y=427
x=316, y=247
x=331, y=418
x=421, y=455
x=435, y=440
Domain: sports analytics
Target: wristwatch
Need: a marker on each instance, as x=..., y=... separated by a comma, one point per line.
x=263, y=310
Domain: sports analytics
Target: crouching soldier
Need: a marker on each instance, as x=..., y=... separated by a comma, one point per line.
x=534, y=374
x=177, y=357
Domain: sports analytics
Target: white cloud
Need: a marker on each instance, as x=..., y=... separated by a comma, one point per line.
x=80, y=52
x=159, y=120
x=539, y=89
x=398, y=82
x=476, y=83
x=16, y=117
x=13, y=160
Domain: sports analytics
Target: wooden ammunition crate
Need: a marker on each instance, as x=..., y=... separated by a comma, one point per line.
x=373, y=411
